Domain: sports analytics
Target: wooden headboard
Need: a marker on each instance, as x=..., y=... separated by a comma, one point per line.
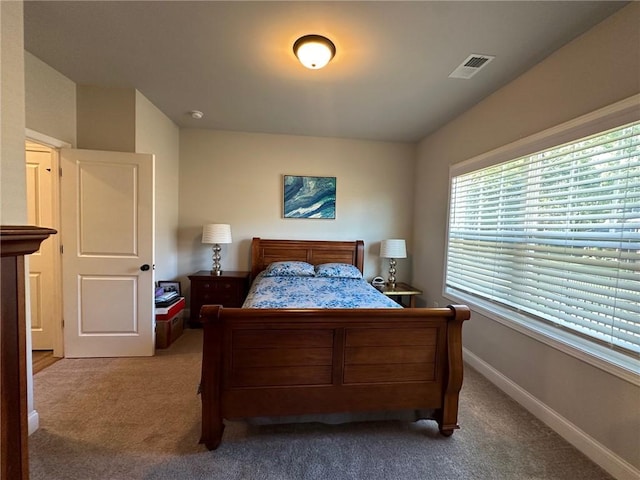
x=315, y=252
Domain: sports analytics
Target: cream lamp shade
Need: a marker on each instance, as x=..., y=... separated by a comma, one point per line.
x=215, y=234
x=314, y=51
x=392, y=249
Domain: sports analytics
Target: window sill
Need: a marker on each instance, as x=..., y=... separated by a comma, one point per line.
x=610, y=361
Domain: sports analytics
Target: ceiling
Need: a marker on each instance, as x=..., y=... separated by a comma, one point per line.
x=234, y=60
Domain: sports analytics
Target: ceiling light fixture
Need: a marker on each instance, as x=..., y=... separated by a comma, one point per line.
x=314, y=51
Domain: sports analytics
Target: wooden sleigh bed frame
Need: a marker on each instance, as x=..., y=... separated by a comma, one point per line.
x=279, y=362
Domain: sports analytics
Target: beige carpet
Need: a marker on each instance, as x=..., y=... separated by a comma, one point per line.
x=139, y=418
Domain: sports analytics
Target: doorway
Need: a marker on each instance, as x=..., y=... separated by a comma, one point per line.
x=43, y=209
x=86, y=305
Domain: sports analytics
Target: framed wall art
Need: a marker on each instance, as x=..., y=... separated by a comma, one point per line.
x=309, y=197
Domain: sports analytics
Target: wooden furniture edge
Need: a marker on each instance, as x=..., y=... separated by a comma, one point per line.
x=211, y=379
x=22, y=239
x=15, y=243
x=455, y=370
x=214, y=319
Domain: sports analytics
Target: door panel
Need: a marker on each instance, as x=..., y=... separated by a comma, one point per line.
x=109, y=204
x=100, y=314
x=42, y=287
x=107, y=232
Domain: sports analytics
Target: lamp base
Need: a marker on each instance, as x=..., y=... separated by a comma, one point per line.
x=215, y=270
x=392, y=273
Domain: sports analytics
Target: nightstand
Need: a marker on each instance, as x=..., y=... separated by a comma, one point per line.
x=228, y=290
x=399, y=291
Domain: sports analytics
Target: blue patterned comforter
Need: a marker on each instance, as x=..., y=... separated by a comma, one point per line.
x=315, y=292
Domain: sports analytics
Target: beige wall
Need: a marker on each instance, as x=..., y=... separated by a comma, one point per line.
x=158, y=135
x=236, y=178
x=13, y=184
x=597, y=69
x=50, y=101
x=106, y=118
x=51, y=110
x=13, y=196
x=119, y=119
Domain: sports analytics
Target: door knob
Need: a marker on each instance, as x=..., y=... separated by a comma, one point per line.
x=144, y=267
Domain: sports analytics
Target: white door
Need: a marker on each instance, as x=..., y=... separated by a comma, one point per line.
x=107, y=262
x=44, y=290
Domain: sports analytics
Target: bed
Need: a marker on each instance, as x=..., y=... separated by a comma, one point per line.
x=260, y=362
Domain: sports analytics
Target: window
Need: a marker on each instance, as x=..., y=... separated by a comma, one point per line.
x=554, y=235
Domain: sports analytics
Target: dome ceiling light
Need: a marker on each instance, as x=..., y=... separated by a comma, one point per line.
x=314, y=51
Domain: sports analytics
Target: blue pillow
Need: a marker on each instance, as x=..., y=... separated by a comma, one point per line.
x=289, y=269
x=338, y=270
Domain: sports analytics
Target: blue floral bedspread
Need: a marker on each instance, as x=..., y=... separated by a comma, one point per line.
x=315, y=292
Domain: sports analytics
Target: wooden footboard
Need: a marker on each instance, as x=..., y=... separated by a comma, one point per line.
x=276, y=362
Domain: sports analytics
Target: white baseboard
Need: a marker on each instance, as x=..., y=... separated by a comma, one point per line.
x=33, y=421
x=598, y=453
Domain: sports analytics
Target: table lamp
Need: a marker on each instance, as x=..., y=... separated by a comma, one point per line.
x=215, y=234
x=392, y=249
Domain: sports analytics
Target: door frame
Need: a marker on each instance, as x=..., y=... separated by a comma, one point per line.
x=55, y=145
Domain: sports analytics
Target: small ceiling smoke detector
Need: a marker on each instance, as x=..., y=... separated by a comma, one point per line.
x=472, y=65
x=196, y=114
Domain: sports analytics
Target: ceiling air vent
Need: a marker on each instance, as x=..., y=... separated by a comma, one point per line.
x=471, y=66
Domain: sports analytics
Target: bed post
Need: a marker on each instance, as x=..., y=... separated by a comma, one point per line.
x=211, y=379
x=360, y=255
x=448, y=416
x=255, y=255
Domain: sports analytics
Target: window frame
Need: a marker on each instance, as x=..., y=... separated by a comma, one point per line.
x=622, y=365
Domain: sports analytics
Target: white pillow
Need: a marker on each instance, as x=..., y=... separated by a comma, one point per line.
x=289, y=269
x=338, y=270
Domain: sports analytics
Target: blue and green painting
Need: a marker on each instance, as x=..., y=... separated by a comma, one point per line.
x=309, y=197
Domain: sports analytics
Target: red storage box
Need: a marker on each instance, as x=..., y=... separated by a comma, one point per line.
x=169, y=323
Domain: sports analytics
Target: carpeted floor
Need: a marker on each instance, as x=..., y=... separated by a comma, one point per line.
x=139, y=418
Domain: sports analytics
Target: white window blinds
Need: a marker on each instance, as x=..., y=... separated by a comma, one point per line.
x=556, y=235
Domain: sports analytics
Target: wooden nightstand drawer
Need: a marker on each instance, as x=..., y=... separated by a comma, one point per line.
x=228, y=290
x=221, y=296
x=218, y=286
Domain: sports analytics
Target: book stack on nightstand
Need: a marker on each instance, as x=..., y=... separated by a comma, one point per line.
x=168, y=319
